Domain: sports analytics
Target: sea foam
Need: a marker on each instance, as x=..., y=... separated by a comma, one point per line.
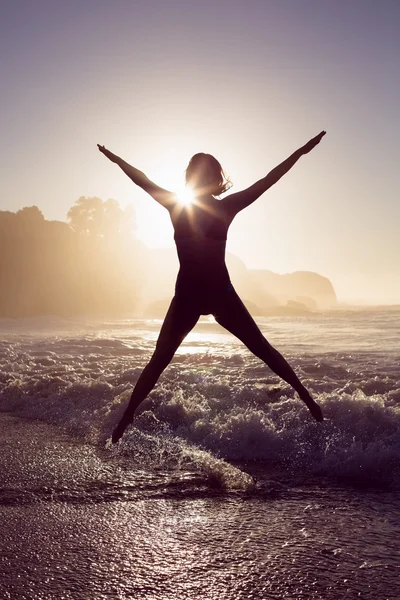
x=215, y=403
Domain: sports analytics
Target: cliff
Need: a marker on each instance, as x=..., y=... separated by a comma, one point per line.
x=264, y=292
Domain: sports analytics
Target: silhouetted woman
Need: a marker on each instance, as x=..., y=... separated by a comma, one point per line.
x=203, y=286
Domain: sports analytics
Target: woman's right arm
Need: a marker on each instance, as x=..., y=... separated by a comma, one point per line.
x=162, y=196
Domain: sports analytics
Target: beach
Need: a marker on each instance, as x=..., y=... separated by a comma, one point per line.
x=224, y=488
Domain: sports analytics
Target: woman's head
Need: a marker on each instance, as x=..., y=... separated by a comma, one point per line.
x=206, y=176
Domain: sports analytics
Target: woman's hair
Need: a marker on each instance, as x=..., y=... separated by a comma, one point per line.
x=204, y=173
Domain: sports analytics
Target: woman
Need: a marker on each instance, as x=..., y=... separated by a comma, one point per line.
x=203, y=286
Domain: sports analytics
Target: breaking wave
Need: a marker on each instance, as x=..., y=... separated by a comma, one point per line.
x=214, y=404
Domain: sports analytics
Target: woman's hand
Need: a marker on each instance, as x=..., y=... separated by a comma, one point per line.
x=107, y=153
x=312, y=143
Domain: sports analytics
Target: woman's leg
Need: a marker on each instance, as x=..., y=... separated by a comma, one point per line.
x=232, y=314
x=179, y=321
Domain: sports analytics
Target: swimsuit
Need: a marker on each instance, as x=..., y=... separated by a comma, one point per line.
x=200, y=237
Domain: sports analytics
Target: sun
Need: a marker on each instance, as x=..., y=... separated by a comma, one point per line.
x=185, y=195
x=170, y=176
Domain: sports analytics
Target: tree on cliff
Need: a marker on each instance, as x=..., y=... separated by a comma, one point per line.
x=32, y=216
x=95, y=217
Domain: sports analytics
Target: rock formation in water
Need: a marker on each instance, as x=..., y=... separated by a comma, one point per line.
x=264, y=292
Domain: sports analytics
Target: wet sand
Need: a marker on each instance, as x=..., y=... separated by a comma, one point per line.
x=76, y=525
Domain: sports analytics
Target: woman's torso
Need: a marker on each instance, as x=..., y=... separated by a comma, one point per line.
x=200, y=236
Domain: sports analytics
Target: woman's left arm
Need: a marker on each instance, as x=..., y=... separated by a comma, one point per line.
x=236, y=202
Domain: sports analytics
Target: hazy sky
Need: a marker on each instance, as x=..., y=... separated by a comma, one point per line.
x=248, y=81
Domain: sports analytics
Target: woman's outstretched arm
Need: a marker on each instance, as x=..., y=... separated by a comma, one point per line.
x=162, y=196
x=236, y=202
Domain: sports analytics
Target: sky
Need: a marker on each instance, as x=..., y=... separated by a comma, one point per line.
x=249, y=82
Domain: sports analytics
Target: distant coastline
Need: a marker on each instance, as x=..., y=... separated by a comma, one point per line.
x=94, y=265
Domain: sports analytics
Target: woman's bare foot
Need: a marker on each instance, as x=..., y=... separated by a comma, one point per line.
x=120, y=428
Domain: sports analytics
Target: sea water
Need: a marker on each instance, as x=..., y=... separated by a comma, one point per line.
x=224, y=487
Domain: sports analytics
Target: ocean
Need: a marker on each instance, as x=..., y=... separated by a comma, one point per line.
x=224, y=487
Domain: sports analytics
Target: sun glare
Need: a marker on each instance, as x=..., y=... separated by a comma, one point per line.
x=185, y=195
